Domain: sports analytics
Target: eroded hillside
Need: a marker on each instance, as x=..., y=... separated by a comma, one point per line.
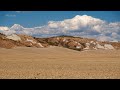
x=75, y=43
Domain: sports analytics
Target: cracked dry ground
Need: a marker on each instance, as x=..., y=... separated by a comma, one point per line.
x=58, y=63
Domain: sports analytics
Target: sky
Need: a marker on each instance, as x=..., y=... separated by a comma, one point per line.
x=101, y=25
x=39, y=18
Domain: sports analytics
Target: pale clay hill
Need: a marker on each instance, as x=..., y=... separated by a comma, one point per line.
x=75, y=43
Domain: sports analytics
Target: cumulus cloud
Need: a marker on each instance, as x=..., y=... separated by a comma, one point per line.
x=78, y=22
x=3, y=28
x=88, y=26
x=80, y=25
x=6, y=30
x=105, y=38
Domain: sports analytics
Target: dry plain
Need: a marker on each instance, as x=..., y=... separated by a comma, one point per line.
x=58, y=63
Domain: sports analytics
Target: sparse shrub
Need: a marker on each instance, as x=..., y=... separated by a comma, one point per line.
x=51, y=43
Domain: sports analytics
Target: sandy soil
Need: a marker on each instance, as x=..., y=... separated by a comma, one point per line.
x=58, y=62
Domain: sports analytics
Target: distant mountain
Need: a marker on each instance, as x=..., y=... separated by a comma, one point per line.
x=17, y=27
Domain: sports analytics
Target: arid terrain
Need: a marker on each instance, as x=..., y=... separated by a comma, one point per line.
x=58, y=63
x=49, y=45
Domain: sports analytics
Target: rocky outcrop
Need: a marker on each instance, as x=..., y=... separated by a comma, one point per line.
x=14, y=37
x=29, y=41
x=2, y=36
x=8, y=43
x=108, y=46
x=116, y=45
x=15, y=40
x=75, y=43
x=78, y=43
x=67, y=42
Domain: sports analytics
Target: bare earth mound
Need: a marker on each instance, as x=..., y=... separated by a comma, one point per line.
x=58, y=62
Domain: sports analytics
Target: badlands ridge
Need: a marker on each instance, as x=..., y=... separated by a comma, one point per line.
x=70, y=42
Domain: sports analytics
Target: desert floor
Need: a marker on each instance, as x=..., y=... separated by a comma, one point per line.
x=58, y=63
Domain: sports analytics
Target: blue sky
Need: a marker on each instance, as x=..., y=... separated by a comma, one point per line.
x=39, y=18
x=101, y=25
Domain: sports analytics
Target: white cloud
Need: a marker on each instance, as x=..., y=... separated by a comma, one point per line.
x=2, y=28
x=76, y=23
x=105, y=38
x=83, y=26
x=6, y=30
x=88, y=26
x=114, y=35
x=9, y=32
x=10, y=15
x=22, y=11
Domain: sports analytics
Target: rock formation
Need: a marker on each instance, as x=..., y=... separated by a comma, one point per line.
x=75, y=43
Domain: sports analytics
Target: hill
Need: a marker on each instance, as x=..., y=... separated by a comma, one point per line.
x=70, y=42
